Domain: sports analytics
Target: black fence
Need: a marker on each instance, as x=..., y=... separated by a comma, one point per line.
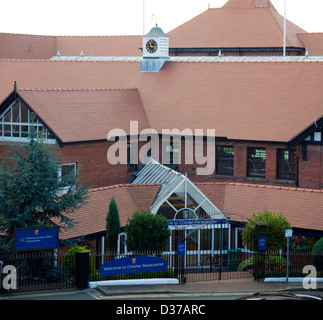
x=38, y=270
x=274, y=264
x=214, y=267
x=47, y=270
x=234, y=264
x=191, y=267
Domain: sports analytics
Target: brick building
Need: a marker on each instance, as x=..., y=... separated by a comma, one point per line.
x=218, y=73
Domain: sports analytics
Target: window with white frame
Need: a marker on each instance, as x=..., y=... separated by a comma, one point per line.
x=66, y=174
x=16, y=121
x=239, y=241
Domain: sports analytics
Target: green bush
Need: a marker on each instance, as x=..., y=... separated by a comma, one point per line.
x=317, y=255
x=247, y=264
x=146, y=231
x=267, y=224
x=266, y=262
x=70, y=258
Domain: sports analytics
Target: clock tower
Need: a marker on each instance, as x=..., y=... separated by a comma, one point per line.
x=155, y=50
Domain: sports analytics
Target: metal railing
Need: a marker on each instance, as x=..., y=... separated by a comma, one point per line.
x=47, y=270
x=41, y=270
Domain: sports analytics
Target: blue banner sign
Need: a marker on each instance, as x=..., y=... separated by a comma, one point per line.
x=190, y=222
x=133, y=265
x=262, y=243
x=36, y=239
x=181, y=248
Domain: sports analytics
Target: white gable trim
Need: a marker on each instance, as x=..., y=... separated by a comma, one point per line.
x=173, y=181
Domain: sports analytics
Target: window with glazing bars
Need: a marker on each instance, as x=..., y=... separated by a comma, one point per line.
x=16, y=121
x=257, y=162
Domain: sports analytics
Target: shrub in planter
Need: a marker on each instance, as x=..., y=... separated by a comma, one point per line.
x=317, y=255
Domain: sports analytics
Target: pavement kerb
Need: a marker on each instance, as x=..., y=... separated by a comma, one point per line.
x=107, y=292
x=206, y=288
x=155, y=281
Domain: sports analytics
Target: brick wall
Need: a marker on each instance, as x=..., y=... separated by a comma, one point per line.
x=96, y=171
x=310, y=171
x=94, y=168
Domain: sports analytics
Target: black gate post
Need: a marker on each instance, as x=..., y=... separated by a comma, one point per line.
x=82, y=269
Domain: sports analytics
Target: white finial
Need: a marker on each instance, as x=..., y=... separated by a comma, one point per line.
x=58, y=53
x=82, y=55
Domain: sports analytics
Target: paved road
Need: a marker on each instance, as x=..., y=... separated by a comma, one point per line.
x=72, y=294
x=93, y=294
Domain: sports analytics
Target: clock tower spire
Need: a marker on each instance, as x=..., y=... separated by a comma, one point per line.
x=155, y=50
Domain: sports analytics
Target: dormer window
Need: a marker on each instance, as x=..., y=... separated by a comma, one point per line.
x=16, y=121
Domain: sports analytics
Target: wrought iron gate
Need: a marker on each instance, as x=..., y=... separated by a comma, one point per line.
x=207, y=256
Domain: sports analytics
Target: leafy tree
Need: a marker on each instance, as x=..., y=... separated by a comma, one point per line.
x=113, y=226
x=146, y=231
x=317, y=255
x=31, y=192
x=267, y=224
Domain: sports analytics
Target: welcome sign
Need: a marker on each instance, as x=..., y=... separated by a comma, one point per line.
x=133, y=265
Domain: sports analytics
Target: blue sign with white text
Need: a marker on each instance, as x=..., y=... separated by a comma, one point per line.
x=262, y=243
x=181, y=248
x=133, y=265
x=189, y=222
x=36, y=238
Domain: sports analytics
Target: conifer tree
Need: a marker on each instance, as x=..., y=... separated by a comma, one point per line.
x=31, y=191
x=113, y=226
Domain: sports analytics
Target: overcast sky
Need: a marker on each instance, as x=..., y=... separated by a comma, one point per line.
x=125, y=17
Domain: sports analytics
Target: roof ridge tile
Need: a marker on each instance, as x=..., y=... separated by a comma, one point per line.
x=274, y=187
x=77, y=89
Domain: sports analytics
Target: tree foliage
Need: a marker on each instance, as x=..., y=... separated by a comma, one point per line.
x=267, y=224
x=113, y=226
x=31, y=192
x=146, y=231
x=317, y=255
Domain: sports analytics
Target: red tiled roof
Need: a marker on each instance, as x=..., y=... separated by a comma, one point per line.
x=238, y=24
x=99, y=45
x=24, y=46
x=91, y=218
x=263, y=101
x=313, y=42
x=302, y=207
x=86, y=114
x=246, y=4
